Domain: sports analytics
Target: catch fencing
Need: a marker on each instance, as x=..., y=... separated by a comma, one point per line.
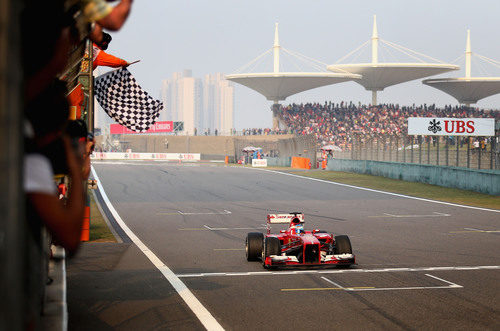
x=467, y=152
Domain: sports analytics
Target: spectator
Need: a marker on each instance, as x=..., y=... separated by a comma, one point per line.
x=50, y=149
x=106, y=16
x=338, y=124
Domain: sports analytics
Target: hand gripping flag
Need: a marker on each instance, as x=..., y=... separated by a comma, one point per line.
x=125, y=101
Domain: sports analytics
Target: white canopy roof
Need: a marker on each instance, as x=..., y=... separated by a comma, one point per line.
x=467, y=90
x=279, y=86
x=377, y=76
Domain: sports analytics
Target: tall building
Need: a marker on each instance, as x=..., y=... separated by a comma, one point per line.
x=182, y=99
x=206, y=106
x=218, y=104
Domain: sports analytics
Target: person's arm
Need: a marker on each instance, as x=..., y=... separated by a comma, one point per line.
x=115, y=20
x=108, y=60
x=64, y=222
x=96, y=34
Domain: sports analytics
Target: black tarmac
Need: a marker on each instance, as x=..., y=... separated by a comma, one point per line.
x=420, y=264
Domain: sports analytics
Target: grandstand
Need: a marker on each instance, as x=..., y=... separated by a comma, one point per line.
x=339, y=123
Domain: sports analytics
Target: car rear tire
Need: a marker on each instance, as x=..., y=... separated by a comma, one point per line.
x=253, y=245
x=342, y=245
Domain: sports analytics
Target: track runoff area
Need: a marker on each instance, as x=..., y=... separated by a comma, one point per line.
x=420, y=263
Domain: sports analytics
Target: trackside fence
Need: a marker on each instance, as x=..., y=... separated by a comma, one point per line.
x=455, y=151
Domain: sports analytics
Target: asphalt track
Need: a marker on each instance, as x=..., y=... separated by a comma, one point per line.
x=420, y=264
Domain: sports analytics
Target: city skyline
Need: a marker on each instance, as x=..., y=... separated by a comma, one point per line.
x=204, y=105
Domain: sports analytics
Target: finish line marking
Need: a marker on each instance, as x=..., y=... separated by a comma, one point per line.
x=225, y=212
x=334, y=271
x=470, y=230
x=371, y=288
x=221, y=229
x=202, y=313
x=434, y=214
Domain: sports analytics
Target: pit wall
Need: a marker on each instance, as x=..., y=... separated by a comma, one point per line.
x=212, y=147
x=279, y=161
x=482, y=181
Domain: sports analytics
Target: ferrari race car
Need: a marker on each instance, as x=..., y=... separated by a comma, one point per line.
x=296, y=247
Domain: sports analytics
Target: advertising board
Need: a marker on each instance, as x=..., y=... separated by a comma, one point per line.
x=158, y=127
x=259, y=162
x=441, y=126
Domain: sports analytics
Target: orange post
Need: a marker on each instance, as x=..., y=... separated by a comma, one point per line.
x=226, y=160
x=301, y=162
x=85, y=236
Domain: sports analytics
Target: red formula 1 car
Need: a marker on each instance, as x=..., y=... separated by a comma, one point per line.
x=296, y=247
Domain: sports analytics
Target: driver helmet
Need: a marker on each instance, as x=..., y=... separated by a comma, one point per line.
x=297, y=226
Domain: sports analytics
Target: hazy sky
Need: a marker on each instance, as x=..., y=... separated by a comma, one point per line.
x=223, y=35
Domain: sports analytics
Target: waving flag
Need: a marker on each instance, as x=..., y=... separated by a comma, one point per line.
x=125, y=101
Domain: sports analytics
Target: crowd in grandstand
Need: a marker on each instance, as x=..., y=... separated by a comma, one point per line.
x=339, y=123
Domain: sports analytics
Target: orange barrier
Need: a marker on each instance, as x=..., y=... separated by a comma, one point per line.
x=323, y=164
x=301, y=162
x=86, y=225
x=226, y=160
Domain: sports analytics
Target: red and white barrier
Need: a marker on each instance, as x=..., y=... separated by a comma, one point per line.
x=184, y=157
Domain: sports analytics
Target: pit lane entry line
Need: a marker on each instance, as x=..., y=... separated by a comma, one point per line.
x=334, y=271
x=204, y=316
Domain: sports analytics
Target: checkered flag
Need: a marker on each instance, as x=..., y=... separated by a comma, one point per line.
x=125, y=101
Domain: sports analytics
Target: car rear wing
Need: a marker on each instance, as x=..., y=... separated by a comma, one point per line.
x=282, y=219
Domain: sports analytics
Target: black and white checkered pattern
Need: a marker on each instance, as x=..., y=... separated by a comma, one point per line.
x=125, y=101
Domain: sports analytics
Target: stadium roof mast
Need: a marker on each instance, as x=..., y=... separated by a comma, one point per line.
x=278, y=85
x=376, y=76
x=468, y=89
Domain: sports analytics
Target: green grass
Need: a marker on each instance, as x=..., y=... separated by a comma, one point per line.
x=99, y=230
x=421, y=190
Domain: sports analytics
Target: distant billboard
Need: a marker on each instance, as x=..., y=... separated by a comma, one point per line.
x=158, y=127
x=439, y=126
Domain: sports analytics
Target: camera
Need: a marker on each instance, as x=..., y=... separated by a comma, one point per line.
x=56, y=152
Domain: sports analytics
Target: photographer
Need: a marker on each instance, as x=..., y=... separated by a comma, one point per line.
x=51, y=151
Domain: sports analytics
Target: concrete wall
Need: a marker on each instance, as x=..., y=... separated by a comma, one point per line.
x=214, y=147
x=483, y=181
x=279, y=161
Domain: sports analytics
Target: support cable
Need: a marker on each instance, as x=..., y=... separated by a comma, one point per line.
x=352, y=52
x=401, y=48
x=253, y=61
x=313, y=62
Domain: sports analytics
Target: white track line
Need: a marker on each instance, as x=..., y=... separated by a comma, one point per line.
x=208, y=321
x=354, y=289
x=225, y=212
x=332, y=282
x=334, y=271
x=378, y=191
x=444, y=281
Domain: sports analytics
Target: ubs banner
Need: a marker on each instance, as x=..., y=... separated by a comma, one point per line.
x=439, y=126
